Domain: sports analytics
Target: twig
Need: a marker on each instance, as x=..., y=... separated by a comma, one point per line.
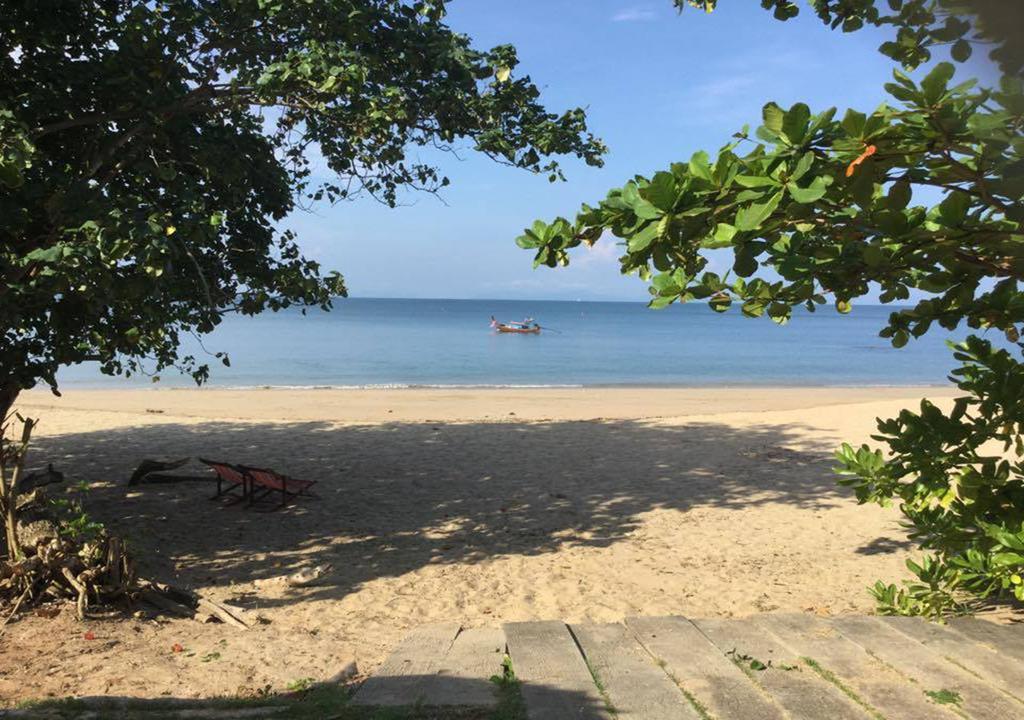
x=14, y=610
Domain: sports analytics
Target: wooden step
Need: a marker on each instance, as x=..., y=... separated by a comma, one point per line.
x=702, y=670
x=556, y=683
x=402, y=679
x=635, y=685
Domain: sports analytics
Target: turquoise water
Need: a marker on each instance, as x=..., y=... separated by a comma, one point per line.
x=365, y=342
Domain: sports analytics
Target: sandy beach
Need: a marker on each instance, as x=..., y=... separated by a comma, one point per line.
x=479, y=506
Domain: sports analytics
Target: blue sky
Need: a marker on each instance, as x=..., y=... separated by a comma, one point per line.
x=657, y=85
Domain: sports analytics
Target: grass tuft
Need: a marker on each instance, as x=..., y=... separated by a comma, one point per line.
x=831, y=677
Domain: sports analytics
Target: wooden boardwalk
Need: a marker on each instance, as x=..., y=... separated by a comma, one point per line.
x=769, y=667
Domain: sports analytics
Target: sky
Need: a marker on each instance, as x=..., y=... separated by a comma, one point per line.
x=657, y=86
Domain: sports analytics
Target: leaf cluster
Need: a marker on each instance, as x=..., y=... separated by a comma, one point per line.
x=828, y=206
x=150, y=150
x=959, y=478
x=920, y=26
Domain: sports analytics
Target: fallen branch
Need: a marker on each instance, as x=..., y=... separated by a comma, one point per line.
x=14, y=610
x=148, y=466
x=222, y=613
x=162, y=602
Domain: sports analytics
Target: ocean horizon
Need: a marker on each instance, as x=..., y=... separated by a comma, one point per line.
x=434, y=343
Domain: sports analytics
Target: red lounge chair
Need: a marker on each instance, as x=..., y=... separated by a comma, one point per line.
x=272, y=481
x=233, y=476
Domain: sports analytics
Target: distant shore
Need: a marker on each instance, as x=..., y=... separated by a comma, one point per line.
x=464, y=403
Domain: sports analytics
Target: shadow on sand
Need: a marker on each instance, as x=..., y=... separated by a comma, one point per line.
x=322, y=702
x=393, y=498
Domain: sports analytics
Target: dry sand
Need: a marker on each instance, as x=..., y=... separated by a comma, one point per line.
x=475, y=506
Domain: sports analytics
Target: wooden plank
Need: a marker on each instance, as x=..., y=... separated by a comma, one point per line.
x=636, y=687
x=895, y=697
x=1005, y=639
x=556, y=683
x=402, y=677
x=932, y=672
x=981, y=660
x=463, y=675
x=702, y=670
x=800, y=691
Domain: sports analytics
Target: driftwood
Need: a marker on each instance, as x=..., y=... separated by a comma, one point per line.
x=151, y=466
x=38, y=478
x=187, y=603
x=100, y=573
x=225, y=613
x=156, y=478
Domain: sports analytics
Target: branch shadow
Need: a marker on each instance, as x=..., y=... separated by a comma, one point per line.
x=393, y=498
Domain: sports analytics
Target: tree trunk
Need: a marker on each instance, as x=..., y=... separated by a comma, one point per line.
x=10, y=468
x=8, y=394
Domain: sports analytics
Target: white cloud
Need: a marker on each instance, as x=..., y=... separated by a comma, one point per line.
x=729, y=93
x=633, y=14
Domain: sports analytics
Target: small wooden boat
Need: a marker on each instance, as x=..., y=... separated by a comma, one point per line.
x=535, y=330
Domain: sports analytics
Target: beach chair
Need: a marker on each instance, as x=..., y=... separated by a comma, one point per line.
x=263, y=482
x=231, y=479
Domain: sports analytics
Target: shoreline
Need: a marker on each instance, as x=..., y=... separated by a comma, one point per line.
x=505, y=386
x=462, y=404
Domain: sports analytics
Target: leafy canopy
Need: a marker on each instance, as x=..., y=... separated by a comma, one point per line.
x=148, y=149
x=922, y=193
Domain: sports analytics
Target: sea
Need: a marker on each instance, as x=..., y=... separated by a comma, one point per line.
x=369, y=343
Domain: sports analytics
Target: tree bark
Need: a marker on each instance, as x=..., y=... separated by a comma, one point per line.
x=8, y=394
x=9, y=471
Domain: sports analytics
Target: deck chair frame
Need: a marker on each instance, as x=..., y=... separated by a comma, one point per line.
x=264, y=482
x=234, y=476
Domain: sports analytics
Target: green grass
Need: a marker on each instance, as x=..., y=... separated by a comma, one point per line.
x=828, y=676
x=944, y=697
x=698, y=706
x=601, y=689
x=510, y=696
x=322, y=702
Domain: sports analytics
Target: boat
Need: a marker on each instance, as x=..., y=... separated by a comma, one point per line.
x=502, y=328
x=526, y=327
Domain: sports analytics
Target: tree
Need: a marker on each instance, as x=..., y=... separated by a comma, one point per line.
x=814, y=205
x=148, y=149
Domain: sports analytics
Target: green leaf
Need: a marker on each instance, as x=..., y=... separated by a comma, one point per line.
x=873, y=255
x=10, y=175
x=720, y=302
x=935, y=83
x=745, y=264
x=774, y=117
x=961, y=50
x=641, y=240
x=755, y=181
x=862, y=186
x=750, y=217
x=812, y=193
x=899, y=195
x=853, y=123
x=802, y=166
x=794, y=124
x=700, y=166
x=953, y=209
x=724, y=233
x=661, y=193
